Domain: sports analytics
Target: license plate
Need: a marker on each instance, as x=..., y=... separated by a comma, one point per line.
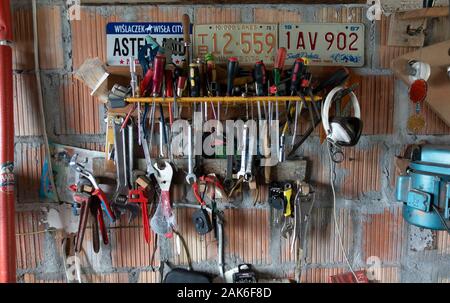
x=327, y=44
x=248, y=42
x=125, y=39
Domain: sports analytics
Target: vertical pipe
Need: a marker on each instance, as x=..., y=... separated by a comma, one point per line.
x=7, y=210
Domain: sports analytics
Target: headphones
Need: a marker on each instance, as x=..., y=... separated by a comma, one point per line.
x=342, y=131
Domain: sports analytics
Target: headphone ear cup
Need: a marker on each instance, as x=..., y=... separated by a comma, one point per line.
x=352, y=127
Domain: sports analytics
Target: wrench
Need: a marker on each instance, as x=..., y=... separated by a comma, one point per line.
x=249, y=161
x=163, y=222
x=242, y=171
x=120, y=157
x=191, y=178
x=148, y=160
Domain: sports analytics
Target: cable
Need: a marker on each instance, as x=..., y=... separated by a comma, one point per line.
x=41, y=102
x=338, y=231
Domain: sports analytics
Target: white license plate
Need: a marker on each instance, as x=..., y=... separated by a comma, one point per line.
x=125, y=39
x=328, y=44
x=248, y=42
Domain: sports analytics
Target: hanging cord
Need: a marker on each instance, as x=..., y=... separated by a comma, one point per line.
x=338, y=231
x=444, y=223
x=41, y=103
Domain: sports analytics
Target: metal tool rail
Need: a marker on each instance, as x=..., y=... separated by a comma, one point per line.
x=222, y=100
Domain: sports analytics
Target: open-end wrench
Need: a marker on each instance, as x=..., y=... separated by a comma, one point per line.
x=166, y=223
x=191, y=178
x=249, y=159
x=148, y=160
x=241, y=172
x=120, y=157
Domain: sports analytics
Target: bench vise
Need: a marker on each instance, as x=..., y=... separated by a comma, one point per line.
x=425, y=188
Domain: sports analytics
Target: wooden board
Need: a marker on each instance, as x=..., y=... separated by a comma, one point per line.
x=438, y=56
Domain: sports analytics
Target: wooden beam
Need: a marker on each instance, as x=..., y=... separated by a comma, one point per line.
x=431, y=12
x=191, y=2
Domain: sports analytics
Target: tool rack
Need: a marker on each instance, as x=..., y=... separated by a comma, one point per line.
x=238, y=100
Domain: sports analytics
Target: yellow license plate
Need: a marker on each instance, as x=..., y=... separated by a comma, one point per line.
x=248, y=42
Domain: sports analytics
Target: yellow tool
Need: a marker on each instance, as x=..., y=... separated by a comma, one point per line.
x=287, y=193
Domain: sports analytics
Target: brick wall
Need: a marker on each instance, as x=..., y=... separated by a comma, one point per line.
x=370, y=220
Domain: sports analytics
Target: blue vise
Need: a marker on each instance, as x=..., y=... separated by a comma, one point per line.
x=425, y=188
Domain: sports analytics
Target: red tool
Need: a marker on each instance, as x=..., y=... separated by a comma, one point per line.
x=208, y=180
x=90, y=204
x=158, y=74
x=139, y=196
x=181, y=85
x=169, y=92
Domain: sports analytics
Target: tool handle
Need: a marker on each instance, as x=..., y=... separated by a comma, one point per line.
x=181, y=85
x=287, y=194
x=84, y=211
x=145, y=222
x=232, y=68
x=102, y=196
x=280, y=59
x=194, y=80
x=195, y=189
x=297, y=74
x=102, y=226
x=186, y=22
x=260, y=77
x=158, y=74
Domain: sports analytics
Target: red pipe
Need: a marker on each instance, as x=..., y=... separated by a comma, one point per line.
x=7, y=209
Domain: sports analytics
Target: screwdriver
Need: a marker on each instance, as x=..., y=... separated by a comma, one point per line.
x=232, y=69
x=278, y=67
x=260, y=82
x=158, y=74
x=211, y=79
x=194, y=79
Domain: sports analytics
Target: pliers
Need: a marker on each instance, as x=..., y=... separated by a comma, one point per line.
x=97, y=190
x=90, y=204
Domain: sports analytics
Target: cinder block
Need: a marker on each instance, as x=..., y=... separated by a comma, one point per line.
x=341, y=14
x=29, y=240
x=201, y=248
x=384, y=236
x=28, y=163
x=275, y=15
x=89, y=35
x=128, y=246
x=247, y=235
x=27, y=118
x=79, y=111
x=51, y=54
x=149, y=277
x=322, y=243
x=363, y=172
x=388, y=53
x=217, y=15
x=376, y=97
x=23, y=54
